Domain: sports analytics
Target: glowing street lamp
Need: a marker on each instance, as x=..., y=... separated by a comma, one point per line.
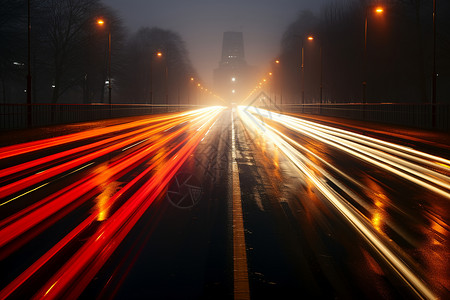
x=101, y=23
x=158, y=54
x=29, y=64
x=309, y=38
x=278, y=62
x=377, y=10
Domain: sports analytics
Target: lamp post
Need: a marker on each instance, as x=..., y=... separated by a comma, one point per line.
x=101, y=23
x=166, y=74
x=191, y=81
x=310, y=38
x=281, y=85
x=378, y=10
x=270, y=87
x=29, y=67
x=158, y=54
x=433, y=95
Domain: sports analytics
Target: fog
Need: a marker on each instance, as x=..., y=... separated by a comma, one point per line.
x=201, y=24
x=173, y=52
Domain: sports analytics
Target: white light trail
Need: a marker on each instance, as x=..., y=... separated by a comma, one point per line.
x=313, y=172
x=374, y=151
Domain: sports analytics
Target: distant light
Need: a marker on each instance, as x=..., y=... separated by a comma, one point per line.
x=379, y=10
x=53, y=86
x=270, y=73
x=233, y=91
x=192, y=78
x=264, y=80
x=310, y=38
x=159, y=54
x=107, y=82
x=17, y=63
x=277, y=61
x=198, y=84
x=100, y=22
x=233, y=79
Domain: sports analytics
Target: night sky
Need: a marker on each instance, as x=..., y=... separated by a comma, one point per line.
x=201, y=24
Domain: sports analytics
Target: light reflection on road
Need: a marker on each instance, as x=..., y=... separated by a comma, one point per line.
x=160, y=144
x=419, y=169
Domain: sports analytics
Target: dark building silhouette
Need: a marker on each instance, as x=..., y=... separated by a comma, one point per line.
x=233, y=77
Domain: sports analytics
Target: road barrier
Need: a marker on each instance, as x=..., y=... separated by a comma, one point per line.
x=15, y=116
x=416, y=115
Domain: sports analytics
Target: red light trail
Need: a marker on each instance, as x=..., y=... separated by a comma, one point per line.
x=162, y=144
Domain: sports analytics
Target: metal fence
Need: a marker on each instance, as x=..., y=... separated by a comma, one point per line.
x=416, y=115
x=16, y=116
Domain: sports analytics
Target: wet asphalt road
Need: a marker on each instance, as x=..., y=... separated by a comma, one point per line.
x=298, y=244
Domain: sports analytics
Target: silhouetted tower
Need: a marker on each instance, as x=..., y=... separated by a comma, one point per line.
x=233, y=49
x=231, y=78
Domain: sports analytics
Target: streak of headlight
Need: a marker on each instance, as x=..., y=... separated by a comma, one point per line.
x=436, y=161
x=378, y=158
x=29, y=147
x=138, y=143
x=13, y=150
x=346, y=209
x=54, y=157
x=95, y=252
x=33, y=179
x=209, y=129
x=389, y=158
x=42, y=185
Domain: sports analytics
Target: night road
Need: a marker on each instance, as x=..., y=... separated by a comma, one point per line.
x=225, y=149
x=221, y=203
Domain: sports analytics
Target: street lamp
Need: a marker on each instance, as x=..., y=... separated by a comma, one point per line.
x=166, y=74
x=377, y=10
x=29, y=67
x=310, y=38
x=101, y=23
x=277, y=61
x=434, y=79
x=158, y=54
